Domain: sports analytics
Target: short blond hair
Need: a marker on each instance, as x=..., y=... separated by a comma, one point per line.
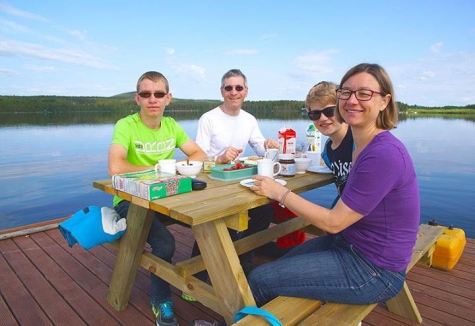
x=322, y=94
x=155, y=77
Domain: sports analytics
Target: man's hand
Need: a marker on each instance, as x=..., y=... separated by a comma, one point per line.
x=230, y=154
x=271, y=143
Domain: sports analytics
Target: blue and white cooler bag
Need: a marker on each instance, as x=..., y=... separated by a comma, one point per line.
x=92, y=226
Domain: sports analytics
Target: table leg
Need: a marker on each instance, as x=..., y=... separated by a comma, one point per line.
x=139, y=221
x=225, y=271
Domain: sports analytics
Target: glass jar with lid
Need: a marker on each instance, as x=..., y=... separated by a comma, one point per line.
x=287, y=163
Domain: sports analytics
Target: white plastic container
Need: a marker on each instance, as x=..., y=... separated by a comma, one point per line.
x=314, y=139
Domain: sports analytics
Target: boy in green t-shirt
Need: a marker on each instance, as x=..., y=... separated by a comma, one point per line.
x=138, y=142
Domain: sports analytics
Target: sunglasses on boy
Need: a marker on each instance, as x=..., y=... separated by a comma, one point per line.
x=316, y=114
x=229, y=88
x=156, y=94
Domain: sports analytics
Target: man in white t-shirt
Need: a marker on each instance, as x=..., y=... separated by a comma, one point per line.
x=223, y=133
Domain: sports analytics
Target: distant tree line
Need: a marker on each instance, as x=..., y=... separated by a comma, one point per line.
x=124, y=103
x=450, y=109
x=69, y=104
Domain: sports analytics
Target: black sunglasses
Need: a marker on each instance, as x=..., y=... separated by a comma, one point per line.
x=316, y=114
x=229, y=88
x=156, y=94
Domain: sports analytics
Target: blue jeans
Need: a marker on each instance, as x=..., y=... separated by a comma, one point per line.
x=163, y=246
x=326, y=268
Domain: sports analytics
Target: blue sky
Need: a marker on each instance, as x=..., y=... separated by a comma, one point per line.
x=100, y=48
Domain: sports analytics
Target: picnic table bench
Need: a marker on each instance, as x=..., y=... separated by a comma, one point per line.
x=304, y=312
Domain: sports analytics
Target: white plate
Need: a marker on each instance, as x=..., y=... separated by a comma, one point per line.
x=319, y=169
x=250, y=182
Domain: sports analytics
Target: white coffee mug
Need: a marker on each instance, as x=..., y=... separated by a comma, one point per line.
x=167, y=166
x=272, y=154
x=266, y=166
x=315, y=156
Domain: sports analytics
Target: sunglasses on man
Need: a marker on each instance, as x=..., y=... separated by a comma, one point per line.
x=229, y=88
x=156, y=94
x=316, y=114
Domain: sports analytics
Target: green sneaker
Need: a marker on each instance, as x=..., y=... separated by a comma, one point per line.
x=164, y=315
x=187, y=297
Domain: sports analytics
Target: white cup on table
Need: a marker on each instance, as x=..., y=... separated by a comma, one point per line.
x=272, y=154
x=315, y=156
x=167, y=166
x=266, y=167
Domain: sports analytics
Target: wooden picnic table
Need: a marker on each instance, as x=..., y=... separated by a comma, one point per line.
x=209, y=212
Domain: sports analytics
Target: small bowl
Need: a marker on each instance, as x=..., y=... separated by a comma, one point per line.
x=302, y=164
x=190, y=169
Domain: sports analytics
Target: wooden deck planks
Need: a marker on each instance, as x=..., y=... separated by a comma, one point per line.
x=14, y=291
x=443, y=297
x=86, y=292
x=45, y=282
x=6, y=315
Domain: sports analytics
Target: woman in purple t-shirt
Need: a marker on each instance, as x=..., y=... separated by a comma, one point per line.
x=372, y=228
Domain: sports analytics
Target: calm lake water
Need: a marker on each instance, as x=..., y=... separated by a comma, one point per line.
x=48, y=169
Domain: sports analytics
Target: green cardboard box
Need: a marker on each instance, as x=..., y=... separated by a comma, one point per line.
x=150, y=184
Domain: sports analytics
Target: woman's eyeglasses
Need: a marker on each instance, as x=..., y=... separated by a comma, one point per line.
x=360, y=94
x=229, y=88
x=316, y=114
x=156, y=94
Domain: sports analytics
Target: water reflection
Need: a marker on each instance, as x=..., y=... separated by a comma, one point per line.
x=49, y=162
x=72, y=118
x=45, y=119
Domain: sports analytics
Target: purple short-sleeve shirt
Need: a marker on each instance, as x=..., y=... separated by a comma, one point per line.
x=382, y=185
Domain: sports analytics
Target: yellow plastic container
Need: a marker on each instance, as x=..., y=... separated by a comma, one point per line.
x=448, y=248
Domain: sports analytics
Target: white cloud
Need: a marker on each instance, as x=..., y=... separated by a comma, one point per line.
x=427, y=75
x=6, y=71
x=435, y=48
x=193, y=71
x=40, y=68
x=170, y=51
x=245, y=52
x=78, y=34
x=9, y=27
x=18, y=30
x=315, y=62
x=267, y=36
x=22, y=49
x=19, y=13
x=436, y=80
